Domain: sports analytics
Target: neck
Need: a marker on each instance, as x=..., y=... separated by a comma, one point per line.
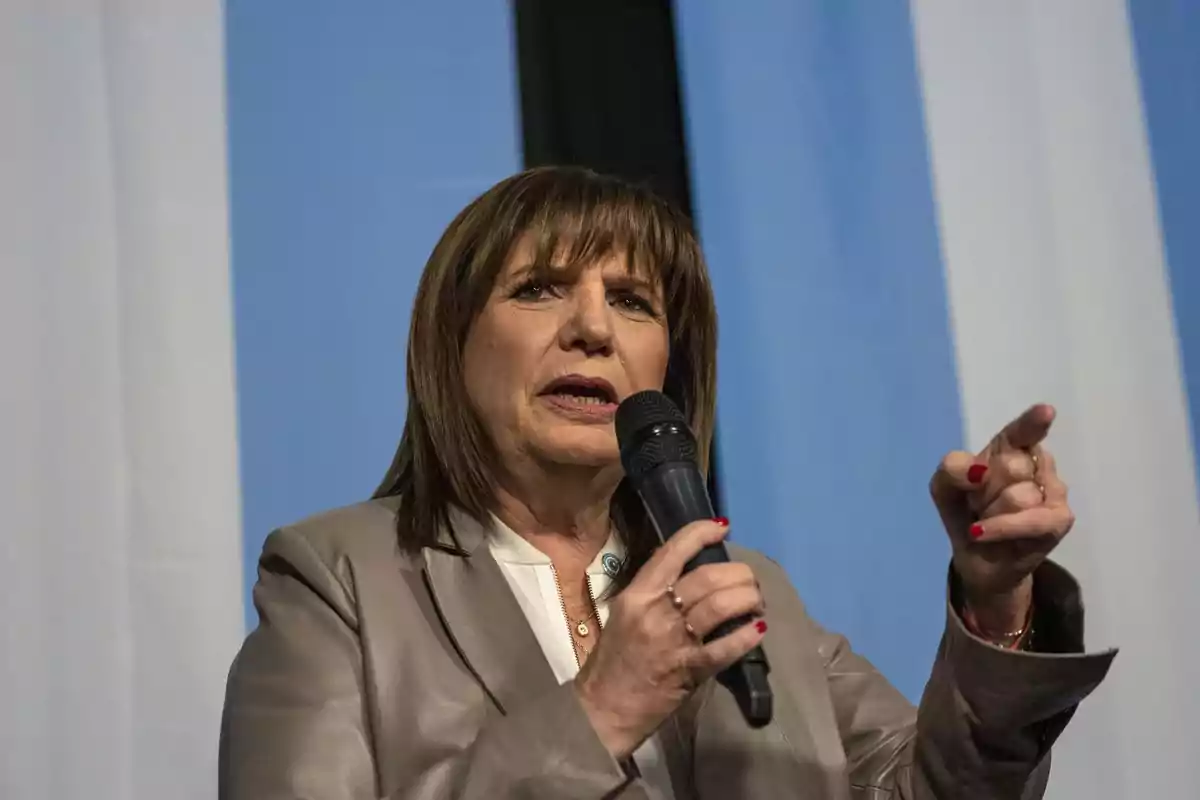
x=562, y=511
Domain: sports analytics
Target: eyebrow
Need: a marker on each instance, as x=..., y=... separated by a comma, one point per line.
x=636, y=281
x=527, y=271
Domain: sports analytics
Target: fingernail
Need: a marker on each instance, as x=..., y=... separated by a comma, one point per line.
x=976, y=472
x=722, y=521
x=761, y=626
x=976, y=530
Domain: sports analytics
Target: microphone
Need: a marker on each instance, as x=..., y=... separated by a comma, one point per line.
x=658, y=451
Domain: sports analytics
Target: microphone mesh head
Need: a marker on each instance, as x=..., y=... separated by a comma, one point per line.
x=651, y=430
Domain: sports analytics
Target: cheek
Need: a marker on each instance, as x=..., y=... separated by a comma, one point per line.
x=646, y=355
x=496, y=365
x=483, y=373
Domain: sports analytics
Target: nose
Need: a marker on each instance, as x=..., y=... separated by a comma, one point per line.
x=589, y=325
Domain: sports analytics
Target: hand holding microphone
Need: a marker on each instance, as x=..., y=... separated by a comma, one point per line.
x=689, y=613
x=652, y=654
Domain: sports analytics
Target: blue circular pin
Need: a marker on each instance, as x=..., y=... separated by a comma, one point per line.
x=611, y=564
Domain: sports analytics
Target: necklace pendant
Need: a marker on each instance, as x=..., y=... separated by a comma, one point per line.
x=582, y=628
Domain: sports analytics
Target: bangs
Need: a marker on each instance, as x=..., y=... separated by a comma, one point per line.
x=574, y=224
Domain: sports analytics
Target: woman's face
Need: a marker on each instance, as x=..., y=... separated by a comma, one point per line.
x=550, y=357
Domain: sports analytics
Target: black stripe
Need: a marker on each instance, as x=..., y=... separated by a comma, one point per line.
x=599, y=85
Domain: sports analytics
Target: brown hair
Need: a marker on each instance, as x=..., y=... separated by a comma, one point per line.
x=445, y=457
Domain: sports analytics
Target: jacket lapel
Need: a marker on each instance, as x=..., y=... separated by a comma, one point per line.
x=485, y=622
x=488, y=628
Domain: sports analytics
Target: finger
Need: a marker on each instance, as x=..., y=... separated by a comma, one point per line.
x=709, y=578
x=720, y=653
x=1033, y=523
x=958, y=473
x=1047, y=476
x=1011, y=466
x=723, y=605
x=1005, y=468
x=1018, y=497
x=667, y=563
x=1030, y=428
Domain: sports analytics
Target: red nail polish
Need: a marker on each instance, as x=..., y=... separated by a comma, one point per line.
x=976, y=531
x=761, y=626
x=722, y=521
x=976, y=472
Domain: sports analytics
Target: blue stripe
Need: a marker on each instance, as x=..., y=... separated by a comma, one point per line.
x=354, y=139
x=1167, y=40
x=837, y=390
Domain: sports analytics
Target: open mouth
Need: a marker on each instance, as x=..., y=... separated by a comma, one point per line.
x=582, y=390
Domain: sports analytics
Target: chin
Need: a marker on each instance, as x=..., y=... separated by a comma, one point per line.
x=596, y=447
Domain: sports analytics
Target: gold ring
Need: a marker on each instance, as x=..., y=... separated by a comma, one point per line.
x=687, y=626
x=676, y=600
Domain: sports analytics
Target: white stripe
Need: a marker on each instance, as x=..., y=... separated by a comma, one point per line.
x=118, y=472
x=1058, y=290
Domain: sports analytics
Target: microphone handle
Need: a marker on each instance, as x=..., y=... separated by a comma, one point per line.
x=675, y=495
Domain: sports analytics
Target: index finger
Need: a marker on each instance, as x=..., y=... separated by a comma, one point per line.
x=1030, y=428
x=667, y=563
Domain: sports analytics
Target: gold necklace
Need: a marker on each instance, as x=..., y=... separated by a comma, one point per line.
x=581, y=627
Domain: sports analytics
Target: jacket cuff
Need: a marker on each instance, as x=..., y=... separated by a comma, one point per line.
x=1009, y=689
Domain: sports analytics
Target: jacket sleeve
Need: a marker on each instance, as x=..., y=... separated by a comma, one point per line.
x=296, y=722
x=988, y=715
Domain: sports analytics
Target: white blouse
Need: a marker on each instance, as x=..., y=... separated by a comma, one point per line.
x=531, y=578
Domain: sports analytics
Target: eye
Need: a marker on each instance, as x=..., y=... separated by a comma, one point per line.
x=532, y=290
x=632, y=301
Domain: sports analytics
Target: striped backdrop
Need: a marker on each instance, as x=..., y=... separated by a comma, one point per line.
x=921, y=217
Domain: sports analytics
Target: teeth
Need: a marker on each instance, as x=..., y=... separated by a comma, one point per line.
x=585, y=399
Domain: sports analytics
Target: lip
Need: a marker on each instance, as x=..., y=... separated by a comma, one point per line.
x=598, y=384
x=601, y=413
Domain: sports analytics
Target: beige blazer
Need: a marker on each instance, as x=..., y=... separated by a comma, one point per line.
x=376, y=674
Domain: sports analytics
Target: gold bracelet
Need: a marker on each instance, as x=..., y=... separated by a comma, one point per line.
x=1009, y=641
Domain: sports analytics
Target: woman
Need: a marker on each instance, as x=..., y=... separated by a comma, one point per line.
x=500, y=621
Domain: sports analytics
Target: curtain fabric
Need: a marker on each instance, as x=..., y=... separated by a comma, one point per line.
x=121, y=603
